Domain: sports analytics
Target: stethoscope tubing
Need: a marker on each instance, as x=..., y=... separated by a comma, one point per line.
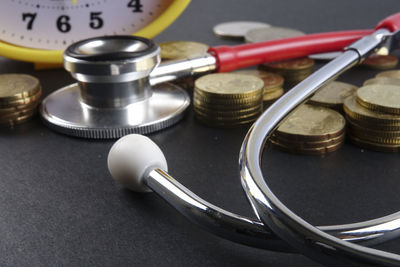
x=304, y=237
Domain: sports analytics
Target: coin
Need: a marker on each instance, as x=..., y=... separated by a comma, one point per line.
x=373, y=146
x=382, y=80
x=229, y=85
x=270, y=33
x=380, y=62
x=273, y=95
x=333, y=94
x=381, y=98
x=389, y=74
x=376, y=126
x=293, y=70
x=14, y=87
x=308, y=144
x=227, y=99
x=308, y=151
x=312, y=123
x=237, y=29
x=325, y=56
x=234, y=110
x=361, y=114
x=199, y=102
x=13, y=109
x=230, y=103
x=21, y=101
x=272, y=81
x=182, y=49
x=360, y=129
x=224, y=124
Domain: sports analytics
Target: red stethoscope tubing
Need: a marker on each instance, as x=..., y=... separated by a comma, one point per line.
x=230, y=58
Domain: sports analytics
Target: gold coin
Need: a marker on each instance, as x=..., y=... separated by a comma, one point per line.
x=273, y=95
x=14, y=87
x=182, y=49
x=22, y=101
x=360, y=130
x=16, y=118
x=380, y=62
x=227, y=116
x=298, y=64
x=226, y=99
x=374, y=138
x=395, y=74
x=17, y=113
x=309, y=122
x=381, y=98
x=373, y=125
x=224, y=105
x=197, y=102
x=382, y=80
x=373, y=146
x=308, y=151
x=308, y=144
x=229, y=85
x=271, y=80
x=332, y=94
x=359, y=113
x=224, y=123
x=14, y=109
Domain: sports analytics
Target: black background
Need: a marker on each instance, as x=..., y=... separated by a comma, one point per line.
x=60, y=207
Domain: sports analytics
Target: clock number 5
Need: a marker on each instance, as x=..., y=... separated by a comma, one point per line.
x=31, y=18
x=96, y=22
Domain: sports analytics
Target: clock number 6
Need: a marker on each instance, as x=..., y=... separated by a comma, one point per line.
x=30, y=17
x=63, y=24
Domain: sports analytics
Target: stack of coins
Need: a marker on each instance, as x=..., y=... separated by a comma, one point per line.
x=227, y=99
x=294, y=70
x=333, y=95
x=19, y=98
x=179, y=50
x=380, y=62
x=310, y=130
x=373, y=116
x=272, y=84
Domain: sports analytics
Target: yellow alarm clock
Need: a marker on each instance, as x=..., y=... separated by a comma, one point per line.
x=39, y=30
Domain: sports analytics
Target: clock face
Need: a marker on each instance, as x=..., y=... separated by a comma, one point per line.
x=55, y=24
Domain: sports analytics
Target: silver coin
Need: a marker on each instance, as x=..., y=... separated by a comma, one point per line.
x=270, y=33
x=237, y=29
x=325, y=56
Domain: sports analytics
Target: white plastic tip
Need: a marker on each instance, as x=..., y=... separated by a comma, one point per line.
x=131, y=159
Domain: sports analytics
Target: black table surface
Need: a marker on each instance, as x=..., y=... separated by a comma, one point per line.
x=59, y=205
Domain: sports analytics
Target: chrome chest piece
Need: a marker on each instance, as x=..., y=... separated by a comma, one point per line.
x=113, y=96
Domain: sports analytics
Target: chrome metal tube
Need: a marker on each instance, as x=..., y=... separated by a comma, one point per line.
x=252, y=232
x=173, y=70
x=307, y=239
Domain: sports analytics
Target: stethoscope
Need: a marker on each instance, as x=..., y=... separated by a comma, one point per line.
x=124, y=65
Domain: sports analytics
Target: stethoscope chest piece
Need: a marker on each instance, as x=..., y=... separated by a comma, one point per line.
x=113, y=96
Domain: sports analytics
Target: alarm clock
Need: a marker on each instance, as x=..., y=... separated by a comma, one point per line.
x=38, y=31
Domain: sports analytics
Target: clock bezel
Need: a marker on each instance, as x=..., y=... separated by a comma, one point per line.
x=45, y=56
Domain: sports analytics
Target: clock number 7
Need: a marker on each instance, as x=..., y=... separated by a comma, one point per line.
x=136, y=5
x=30, y=17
